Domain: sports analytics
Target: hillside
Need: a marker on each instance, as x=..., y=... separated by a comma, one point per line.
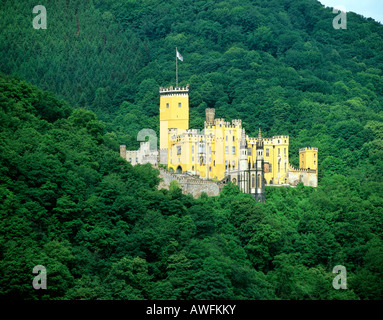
x=277, y=63
x=72, y=93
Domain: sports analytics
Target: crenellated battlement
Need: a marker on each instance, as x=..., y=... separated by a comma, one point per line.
x=307, y=149
x=193, y=132
x=236, y=122
x=219, y=121
x=301, y=170
x=174, y=90
x=253, y=140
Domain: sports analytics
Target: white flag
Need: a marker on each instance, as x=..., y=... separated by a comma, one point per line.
x=179, y=56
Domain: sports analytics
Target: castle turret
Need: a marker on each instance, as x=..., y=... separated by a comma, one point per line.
x=308, y=158
x=259, y=172
x=243, y=152
x=243, y=171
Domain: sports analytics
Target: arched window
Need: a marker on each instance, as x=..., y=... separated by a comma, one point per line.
x=252, y=181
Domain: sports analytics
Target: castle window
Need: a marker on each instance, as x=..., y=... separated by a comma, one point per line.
x=252, y=181
x=285, y=152
x=226, y=150
x=136, y=159
x=214, y=163
x=233, y=150
x=192, y=149
x=226, y=138
x=285, y=166
x=192, y=168
x=259, y=181
x=279, y=167
x=178, y=150
x=209, y=168
x=270, y=167
x=315, y=155
x=249, y=151
x=192, y=159
x=233, y=138
x=314, y=163
x=179, y=104
x=130, y=159
x=279, y=152
x=167, y=105
x=267, y=152
x=233, y=164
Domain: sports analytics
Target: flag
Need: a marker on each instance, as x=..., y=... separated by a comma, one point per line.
x=179, y=56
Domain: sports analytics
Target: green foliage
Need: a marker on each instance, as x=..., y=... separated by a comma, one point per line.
x=101, y=227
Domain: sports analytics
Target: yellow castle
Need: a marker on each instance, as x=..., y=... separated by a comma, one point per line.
x=223, y=152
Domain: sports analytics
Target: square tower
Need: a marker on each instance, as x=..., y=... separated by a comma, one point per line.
x=174, y=111
x=308, y=158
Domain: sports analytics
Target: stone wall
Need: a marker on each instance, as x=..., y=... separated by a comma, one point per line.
x=307, y=176
x=189, y=184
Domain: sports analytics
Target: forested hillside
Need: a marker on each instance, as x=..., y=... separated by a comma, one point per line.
x=70, y=94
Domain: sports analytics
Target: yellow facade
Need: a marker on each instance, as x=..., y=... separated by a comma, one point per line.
x=207, y=153
x=276, y=157
x=174, y=111
x=215, y=152
x=308, y=158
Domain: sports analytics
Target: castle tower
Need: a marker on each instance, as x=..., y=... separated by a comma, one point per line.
x=308, y=158
x=210, y=113
x=259, y=170
x=243, y=173
x=174, y=113
x=123, y=151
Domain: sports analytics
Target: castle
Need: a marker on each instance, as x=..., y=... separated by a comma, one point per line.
x=222, y=151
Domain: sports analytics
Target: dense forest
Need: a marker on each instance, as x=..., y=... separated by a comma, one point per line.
x=70, y=94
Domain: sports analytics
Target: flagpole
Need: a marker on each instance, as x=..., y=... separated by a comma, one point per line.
x=176, y=69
